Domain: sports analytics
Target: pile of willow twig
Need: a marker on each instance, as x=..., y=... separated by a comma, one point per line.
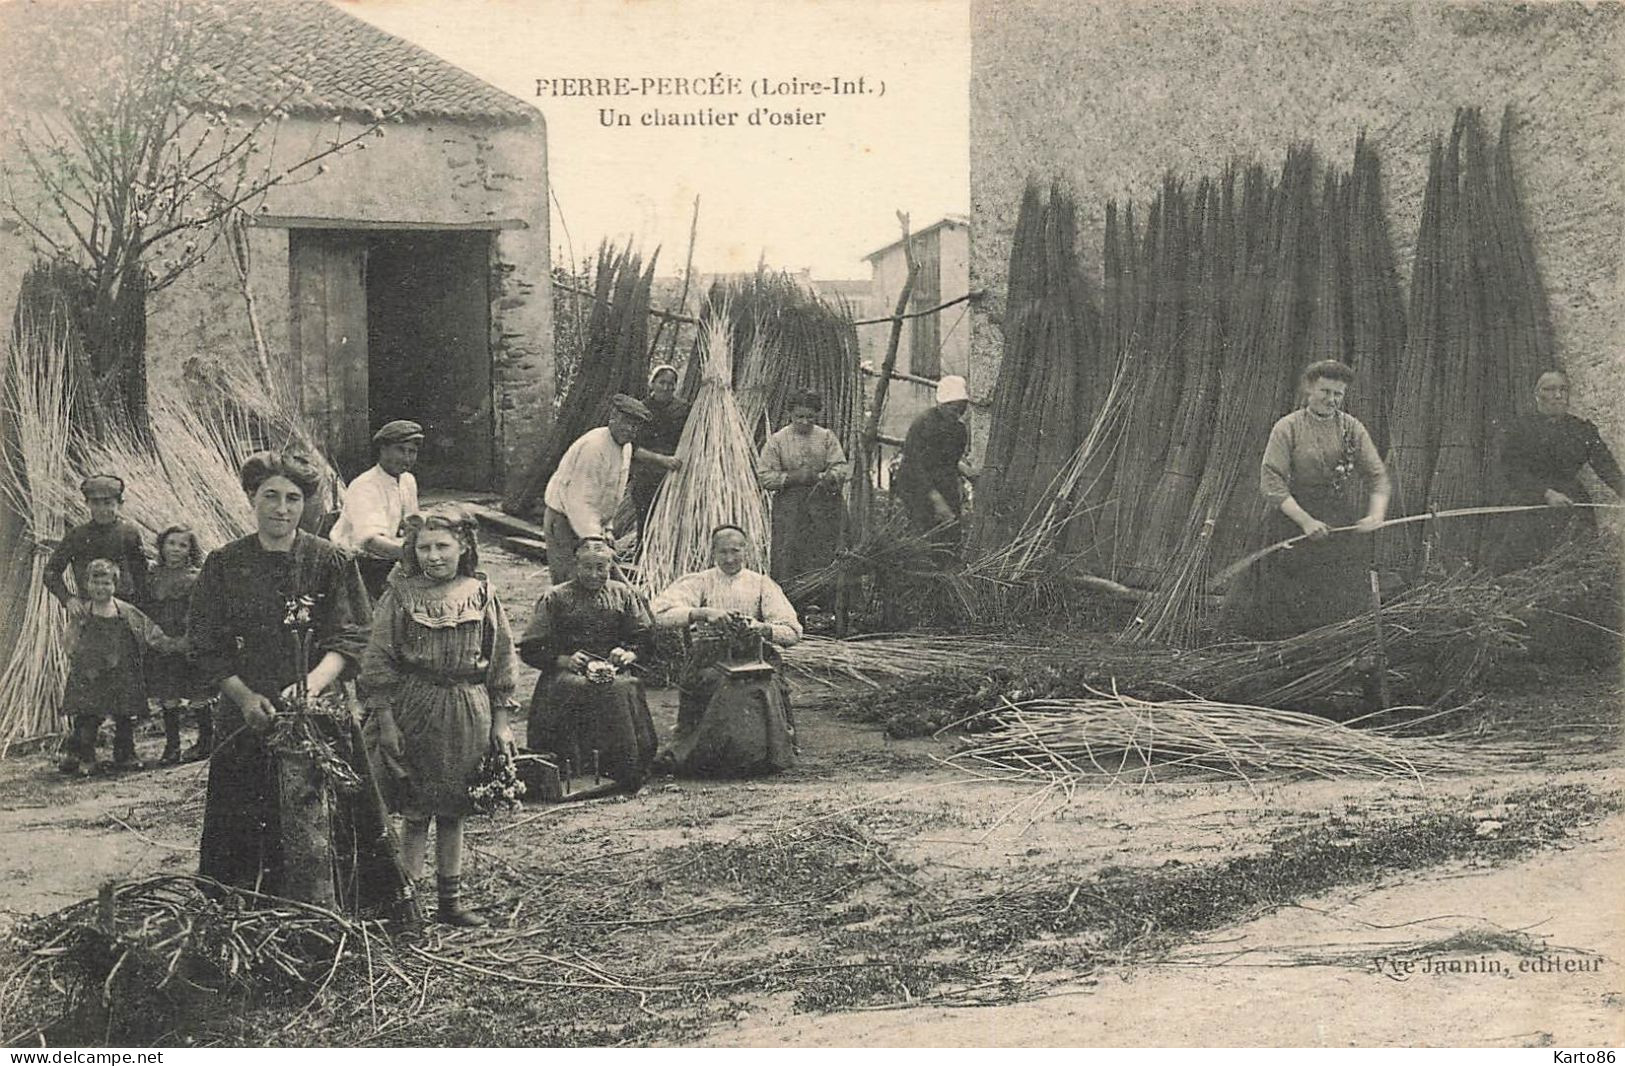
x=148, y=959
x=1442, y=637
x=885, y=658
x=1121, y=737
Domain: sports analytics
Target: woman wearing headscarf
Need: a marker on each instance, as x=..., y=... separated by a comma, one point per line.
x=928, y=479
x=657, y=441
x=804, y=467
x=583, y=636
x=1320, y=472
x=1541, y=456
x=253, y=600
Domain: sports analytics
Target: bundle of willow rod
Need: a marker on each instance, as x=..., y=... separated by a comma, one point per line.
x=1053, y=374
x=614, y=359
x=1158, y=365
x=883, y=658
x=150, y=953
x=1111, y=735
x=717, y=482
x=34, y=411
x=1092, y=523
x=1479, y=336
x=1440, y=638
x=1208, y=268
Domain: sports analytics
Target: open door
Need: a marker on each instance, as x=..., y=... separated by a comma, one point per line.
x=328, y=290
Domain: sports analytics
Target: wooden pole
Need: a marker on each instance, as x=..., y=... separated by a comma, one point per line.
x=682, y=301
x=1381, y=665
x=868, y=442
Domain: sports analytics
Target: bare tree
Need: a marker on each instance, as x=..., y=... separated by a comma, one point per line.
x=136, y=148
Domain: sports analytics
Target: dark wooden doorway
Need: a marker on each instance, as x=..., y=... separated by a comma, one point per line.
x=396, y=324
x=429, y=349
x=327, y=284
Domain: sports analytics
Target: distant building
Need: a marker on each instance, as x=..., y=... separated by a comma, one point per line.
x=407, y=280
x=931, y=345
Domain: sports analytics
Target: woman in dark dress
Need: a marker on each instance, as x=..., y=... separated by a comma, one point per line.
x=245, y=647
x=655, y=454
x=577, y=628
x=1540, y=457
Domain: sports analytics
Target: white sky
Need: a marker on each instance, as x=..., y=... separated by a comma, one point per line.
x=819, y=197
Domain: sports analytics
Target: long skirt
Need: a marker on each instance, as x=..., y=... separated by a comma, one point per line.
x=573, y=718
x=807, y=522
x=1313, y=583
x=732, y=727
x=242, y=823
x=445, y=731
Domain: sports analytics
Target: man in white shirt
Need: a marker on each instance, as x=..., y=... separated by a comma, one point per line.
x=378, y=501
x=585, y=491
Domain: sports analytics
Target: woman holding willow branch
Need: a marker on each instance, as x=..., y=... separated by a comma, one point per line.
x=804, y=467
x=243, y=637
x=1320, y=472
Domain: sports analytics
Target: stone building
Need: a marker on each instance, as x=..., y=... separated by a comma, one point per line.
x=1107, y=97
x=931, y=345
x=408, y=279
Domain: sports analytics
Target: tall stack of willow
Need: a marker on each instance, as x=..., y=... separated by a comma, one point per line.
x=1277, y=277
x=717, y=482
x=34, y=406
x=1053, y=375
x=1479, y=335
x=786, y=338
x=614, y=358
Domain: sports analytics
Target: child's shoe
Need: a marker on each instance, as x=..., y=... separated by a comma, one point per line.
x=172, y=737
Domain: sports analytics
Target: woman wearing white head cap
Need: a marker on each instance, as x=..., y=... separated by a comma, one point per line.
x=657, y=442
x=933, y=463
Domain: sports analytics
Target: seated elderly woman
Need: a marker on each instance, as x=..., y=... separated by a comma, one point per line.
x=583, y=636
x=736, y=618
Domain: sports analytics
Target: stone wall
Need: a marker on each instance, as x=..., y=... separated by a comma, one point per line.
x=427, y=174
x=1108, y=96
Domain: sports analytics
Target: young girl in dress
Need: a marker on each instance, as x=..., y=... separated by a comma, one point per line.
x=170, y=677
x=439, y=675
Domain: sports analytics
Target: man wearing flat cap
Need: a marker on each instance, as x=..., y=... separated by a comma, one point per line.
x=378, y=501
x=586, y=489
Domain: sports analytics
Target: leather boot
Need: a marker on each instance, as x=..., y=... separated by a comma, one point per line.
x=451, y=911
x=172, y=737
x=204, y=714
x=124, y=757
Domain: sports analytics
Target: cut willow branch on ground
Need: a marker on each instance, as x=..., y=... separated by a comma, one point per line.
x=1127, y=739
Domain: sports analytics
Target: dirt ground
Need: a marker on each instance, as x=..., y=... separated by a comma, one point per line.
x=1506, y=948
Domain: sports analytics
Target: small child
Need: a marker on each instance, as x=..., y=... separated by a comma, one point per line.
x=107, y=644
x=170, y=677
x=105, y=536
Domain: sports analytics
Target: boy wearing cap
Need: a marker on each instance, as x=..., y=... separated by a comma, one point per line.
x=105, y=536
x=378, y=501
x=585, y=491
x=933, y=462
